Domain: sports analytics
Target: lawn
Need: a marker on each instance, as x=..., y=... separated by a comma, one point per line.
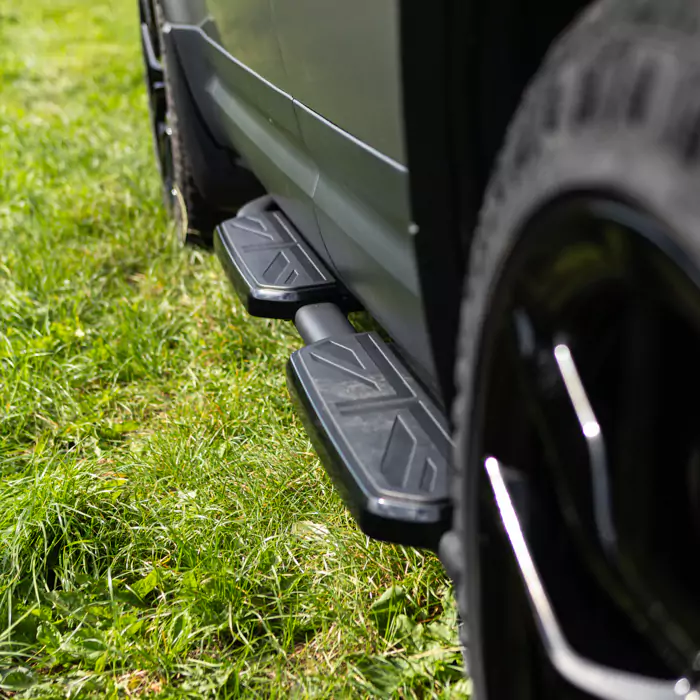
x=165, y=527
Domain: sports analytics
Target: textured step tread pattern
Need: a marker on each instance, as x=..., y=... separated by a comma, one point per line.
x=272, y=253
x=271, y=267
x=384, y=439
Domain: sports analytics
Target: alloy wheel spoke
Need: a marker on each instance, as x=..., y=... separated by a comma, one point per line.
x=595, y=442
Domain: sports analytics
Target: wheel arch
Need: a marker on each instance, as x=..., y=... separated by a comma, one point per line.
x=463, y=91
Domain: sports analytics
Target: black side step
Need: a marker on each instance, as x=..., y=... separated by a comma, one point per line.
x=382, y=439
x=272, y=268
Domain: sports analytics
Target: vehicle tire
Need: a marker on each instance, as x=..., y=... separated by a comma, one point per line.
x=578, y=371
x=203, y=183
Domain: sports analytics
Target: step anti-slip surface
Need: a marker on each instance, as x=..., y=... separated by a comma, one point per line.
x=385, y=442
x=271, y=267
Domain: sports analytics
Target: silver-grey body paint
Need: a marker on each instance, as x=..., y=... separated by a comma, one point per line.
x=309, y=92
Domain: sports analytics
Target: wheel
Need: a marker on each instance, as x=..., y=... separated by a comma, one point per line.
x=577, y=419
x=203, y=184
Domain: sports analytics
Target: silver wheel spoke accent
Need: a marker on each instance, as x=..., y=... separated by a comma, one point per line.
x=591, y=677
x=602, y=507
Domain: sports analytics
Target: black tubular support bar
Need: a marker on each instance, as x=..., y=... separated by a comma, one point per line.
x=320, y=321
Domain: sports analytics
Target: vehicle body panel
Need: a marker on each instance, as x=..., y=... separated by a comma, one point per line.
x=343, y=65
x=246, y=30
x=250, y=114
x=189, y=12
x=349, y=199
x=362, y=205
x=342, y=61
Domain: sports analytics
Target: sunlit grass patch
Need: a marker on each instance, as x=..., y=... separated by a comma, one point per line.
x=165, y=528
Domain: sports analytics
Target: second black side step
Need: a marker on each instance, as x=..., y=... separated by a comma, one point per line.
x=272, y=268
x=382, y=439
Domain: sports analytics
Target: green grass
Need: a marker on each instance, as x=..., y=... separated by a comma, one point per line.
x=165, y=528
